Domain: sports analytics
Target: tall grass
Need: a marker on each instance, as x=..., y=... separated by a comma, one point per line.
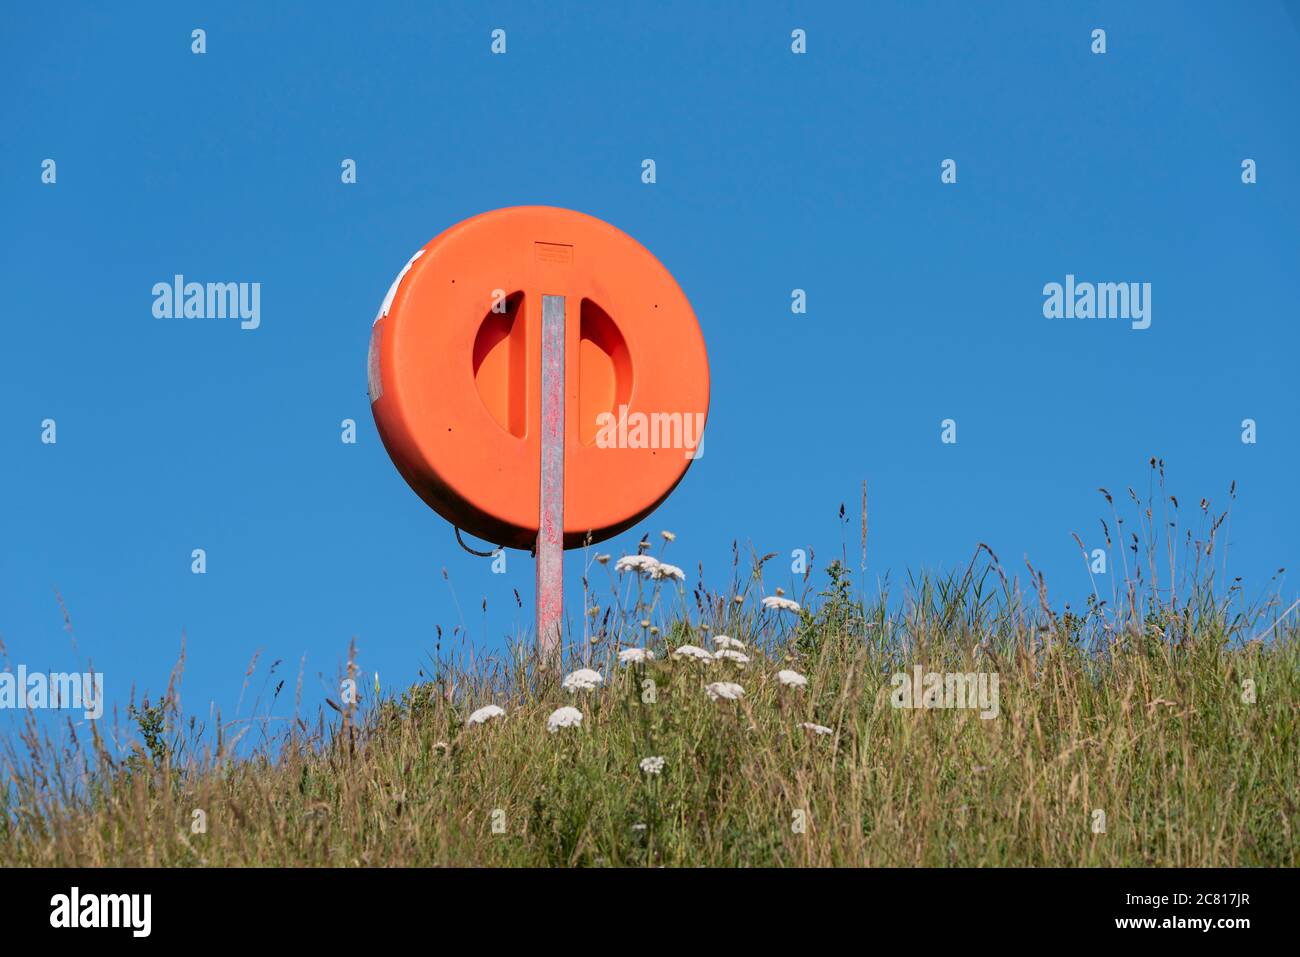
x=1138, y=706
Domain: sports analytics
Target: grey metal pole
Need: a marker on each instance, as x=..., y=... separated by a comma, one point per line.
x=550, y=528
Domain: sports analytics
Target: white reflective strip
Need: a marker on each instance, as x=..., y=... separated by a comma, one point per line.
x=392, y=290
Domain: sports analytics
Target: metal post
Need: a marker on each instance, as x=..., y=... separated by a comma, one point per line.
x=550, y=528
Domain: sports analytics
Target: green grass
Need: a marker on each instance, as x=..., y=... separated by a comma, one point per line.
x=1135, y=706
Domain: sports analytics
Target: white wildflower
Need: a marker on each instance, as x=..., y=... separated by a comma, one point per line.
x=728, y=655
x=791, y=679
x=584, y=679
x=566, y=717
x=723, y=641
x=652, y=765
x=690, y=651
x=668, y=536
x=724, y=689
x=644, y=564
x=664, y=570
x=486, y=713
x=816, y=728
x=780, y=604
x=635, y=656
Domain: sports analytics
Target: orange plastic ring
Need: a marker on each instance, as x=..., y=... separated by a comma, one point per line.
x=455, y=364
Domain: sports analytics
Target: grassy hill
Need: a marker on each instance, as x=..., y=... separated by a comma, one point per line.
x=1158, y=726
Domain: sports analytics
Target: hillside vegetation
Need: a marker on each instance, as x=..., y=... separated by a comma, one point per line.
x=1156, y=726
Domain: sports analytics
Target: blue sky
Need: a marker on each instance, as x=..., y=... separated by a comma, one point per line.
x=775, y=171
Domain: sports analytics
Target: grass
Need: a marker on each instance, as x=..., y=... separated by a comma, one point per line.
x=1138, y=706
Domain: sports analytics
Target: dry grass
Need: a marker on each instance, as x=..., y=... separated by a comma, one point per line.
x=1135, y=707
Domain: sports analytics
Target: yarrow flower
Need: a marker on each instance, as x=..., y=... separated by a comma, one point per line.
x=566, y=717
x=780, y=604
x=668, y=536
x=486, y=713
x=724, y=689
x=729, y=655
x=643, y=564
x=722, y=641
x=652, y=765
x=664, y=570
x=584, y=679
x=816, y=728
x=690, y=651
x=791, y=679
x=635, y=656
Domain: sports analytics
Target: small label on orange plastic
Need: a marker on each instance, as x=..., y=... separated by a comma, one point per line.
x=557, y=254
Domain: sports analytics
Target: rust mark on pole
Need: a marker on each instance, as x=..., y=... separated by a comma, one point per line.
x=550, y=528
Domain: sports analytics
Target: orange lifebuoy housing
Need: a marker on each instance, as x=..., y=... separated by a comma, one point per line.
x=455, y=374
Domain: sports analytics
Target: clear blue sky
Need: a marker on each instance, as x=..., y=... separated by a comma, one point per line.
x=775, y=171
